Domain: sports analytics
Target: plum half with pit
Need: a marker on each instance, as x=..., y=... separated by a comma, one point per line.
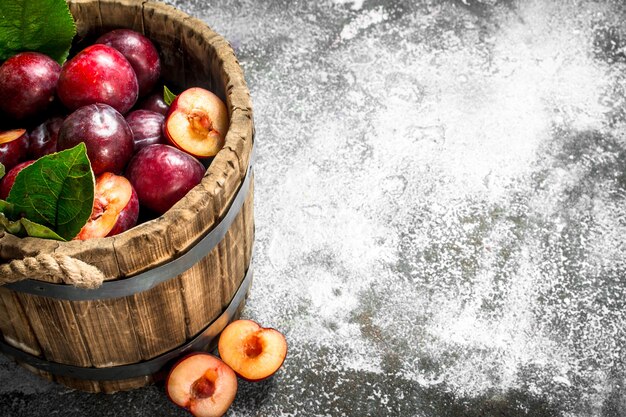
x=197, y=122
x=140, y=52
x=43, y=138
x=202, y=384
x=107, y=137
x=162, y=175
x=28, y=82
x=98, y=74
x=147, y=127
x=115, y=208
x=253, y=352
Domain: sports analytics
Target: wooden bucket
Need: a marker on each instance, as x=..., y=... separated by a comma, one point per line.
x=172, y=283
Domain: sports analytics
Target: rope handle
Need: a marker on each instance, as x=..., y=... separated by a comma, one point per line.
x=52, y=267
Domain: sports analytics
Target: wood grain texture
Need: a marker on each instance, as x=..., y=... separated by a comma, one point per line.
x=14, y=324
x=155, y=337
x=127, y=330
x=57, y=328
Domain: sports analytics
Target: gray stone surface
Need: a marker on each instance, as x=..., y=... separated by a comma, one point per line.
x=440, y=211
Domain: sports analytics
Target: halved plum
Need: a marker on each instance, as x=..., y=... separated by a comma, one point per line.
x=197, y=122
x=202, y=384
x=115, y=208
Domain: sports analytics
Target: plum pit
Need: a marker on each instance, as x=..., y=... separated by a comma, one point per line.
x=252, y=346
x=202, y=388
x=200, y=122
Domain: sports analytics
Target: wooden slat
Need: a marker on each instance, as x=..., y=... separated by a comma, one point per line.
x=110, y=387
x=207, y=294
x=201, y=295
x=86, y=16
x=232, y=254
x=249, y=224
x=55, y=324
x=158, y=317
x=97, y=252
x=79, y=384
x=202, y=63
x=162, y=26
x=121, y=14
x=107, y=330
x=137, y=252
x=14, y=324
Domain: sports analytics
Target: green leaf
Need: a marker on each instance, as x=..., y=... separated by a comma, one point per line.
x=37, y=230
x=168, y=96
x=45, y=26
x=6, y=208
x=15, y=228
x=56, y=191
x=2, y=171
x=24, y=227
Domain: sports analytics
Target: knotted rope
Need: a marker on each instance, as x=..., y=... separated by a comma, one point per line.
x=54, y=268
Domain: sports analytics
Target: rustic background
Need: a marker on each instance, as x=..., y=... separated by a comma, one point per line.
x=440, y=210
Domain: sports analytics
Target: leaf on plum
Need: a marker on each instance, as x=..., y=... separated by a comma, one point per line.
x=45, y=26
x=2, y=171
x=56, y=191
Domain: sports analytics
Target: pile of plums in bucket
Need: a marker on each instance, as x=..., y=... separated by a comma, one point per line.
x=143, y=152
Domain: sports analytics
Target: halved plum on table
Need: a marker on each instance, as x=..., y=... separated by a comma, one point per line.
x=115, y=208
x=252, y=351
x=202, y=384
x=197, y=122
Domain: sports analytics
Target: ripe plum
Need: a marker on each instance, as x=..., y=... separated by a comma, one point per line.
x=106, y=135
